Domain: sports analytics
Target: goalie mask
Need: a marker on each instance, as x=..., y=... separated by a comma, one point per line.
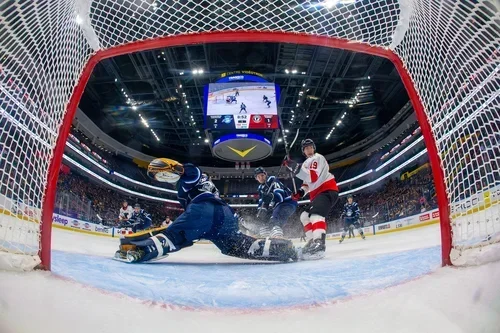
x=165, y=170
x=167, y=177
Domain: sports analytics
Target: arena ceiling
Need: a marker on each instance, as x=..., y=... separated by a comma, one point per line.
x=318, y=84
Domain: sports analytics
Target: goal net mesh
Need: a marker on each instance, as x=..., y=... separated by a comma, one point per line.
x=449, y=48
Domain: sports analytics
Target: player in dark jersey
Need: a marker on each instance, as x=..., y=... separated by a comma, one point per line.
x=351, y=218
x=275, y=200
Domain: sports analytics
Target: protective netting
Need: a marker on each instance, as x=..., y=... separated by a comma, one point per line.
x=449, y=48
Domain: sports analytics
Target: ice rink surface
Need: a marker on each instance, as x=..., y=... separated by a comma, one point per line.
x=387, y=283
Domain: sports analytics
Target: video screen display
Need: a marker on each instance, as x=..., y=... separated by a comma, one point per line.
x=241, y=105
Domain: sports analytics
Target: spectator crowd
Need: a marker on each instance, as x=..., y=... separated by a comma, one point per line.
x=396, y=198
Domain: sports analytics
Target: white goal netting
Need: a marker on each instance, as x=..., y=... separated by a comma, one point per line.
x=450, y=49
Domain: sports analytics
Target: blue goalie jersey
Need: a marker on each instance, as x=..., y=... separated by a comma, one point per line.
x=195, y=186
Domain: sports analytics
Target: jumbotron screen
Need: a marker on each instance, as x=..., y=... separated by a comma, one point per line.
x=241, y=105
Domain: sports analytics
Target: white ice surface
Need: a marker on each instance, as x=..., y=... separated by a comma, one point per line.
x=446, y=300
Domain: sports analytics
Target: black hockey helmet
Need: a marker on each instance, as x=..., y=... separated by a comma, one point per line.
x=258, y=171
x=307, y=142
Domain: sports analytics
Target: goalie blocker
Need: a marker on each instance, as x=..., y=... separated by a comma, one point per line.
x=206, y=216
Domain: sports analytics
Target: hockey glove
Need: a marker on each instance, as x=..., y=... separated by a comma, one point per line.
x=299, y=194
x=291, y=165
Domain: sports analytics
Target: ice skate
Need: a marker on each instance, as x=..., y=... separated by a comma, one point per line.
x=314, y=249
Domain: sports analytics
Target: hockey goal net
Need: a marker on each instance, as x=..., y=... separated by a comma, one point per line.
x=445, y=51
x=219, y=99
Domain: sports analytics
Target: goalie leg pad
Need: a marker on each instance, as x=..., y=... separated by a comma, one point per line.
x=247, y=247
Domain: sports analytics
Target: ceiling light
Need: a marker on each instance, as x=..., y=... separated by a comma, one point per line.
x=180, y=85
x=303, y=84
x=287, y=71
x=296, y=105
x=200, y=71
x=186, y=102
x=206, y=140
x=181, y=73
x=286, y=131
x=195, y=71
x=368, y=77
x=303, y=73
x=343, y=116
x=122, y=89
x=307, y=116
x=197, y=131
x=294, y=71
x=116, y=80
x=199, y=137
x=187, y=106
x=350, y=105
x=292, y=111
x=280, y=139
x=134, y=107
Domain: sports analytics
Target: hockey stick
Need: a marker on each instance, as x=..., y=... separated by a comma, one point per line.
x=287, y=152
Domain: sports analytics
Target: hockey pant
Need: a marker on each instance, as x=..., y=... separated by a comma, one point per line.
x=210, y=221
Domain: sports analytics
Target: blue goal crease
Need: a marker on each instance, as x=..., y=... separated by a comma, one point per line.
x=248, y=285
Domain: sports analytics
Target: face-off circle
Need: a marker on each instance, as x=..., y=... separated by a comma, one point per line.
x=242, y=147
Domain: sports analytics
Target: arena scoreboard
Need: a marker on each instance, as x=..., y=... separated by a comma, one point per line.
x=241, y=105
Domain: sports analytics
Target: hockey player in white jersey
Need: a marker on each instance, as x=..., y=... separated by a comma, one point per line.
x=126, y=212
x=322, y=188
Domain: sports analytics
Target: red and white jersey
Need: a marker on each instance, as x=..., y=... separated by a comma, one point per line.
x=126, y=213
x=315, y=173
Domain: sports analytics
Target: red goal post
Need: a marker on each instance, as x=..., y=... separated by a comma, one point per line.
x=445, y=54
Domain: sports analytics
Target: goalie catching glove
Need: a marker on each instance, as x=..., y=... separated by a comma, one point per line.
x=165, y=170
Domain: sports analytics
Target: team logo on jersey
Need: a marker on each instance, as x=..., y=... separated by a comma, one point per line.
x=257, y=118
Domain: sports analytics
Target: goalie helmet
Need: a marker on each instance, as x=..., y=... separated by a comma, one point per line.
x=165, y=170
x=307, y=142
